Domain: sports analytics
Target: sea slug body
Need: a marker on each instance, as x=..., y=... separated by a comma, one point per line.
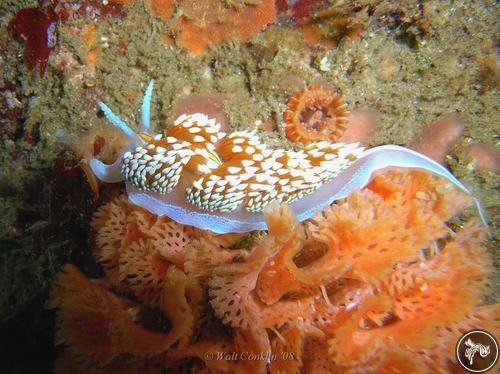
x=197, y=175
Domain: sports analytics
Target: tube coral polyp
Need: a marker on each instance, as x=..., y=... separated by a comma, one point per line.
x=314, y=114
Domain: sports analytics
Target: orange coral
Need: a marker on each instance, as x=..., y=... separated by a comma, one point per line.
x=275, y=279
x=121, y=231
x=110, y=225
x=144, y=270
x=365, y=238
x=202, y=256
x=369, y=233
x=314, y=114
x=203, y=23
x=169, y=240
x=342, y=293
x=231, y=285
x=286, y=345
x=96, y=323
x=451, y=284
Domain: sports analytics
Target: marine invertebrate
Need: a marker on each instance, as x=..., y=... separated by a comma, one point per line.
x=485, y=156
x=99, y=324
x=436, y=139
x=203, y=23
x=362, y=125
x=358, y=316
x=228, y=180
x=451, y=286
x=314, y=114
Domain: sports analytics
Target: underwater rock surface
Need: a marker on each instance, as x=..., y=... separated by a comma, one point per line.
x=401, y=62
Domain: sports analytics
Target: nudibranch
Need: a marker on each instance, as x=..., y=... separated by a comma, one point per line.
x=197, y=175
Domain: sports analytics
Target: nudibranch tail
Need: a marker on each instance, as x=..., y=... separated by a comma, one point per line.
x=196, y=175
x=404, y=157
x=107, y=173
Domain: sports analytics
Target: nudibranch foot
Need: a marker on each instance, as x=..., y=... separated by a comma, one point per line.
x=198, y=176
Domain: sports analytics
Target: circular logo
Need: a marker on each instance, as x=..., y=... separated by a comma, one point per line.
x=477, y=351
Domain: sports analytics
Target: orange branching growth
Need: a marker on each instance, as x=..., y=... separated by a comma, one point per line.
x=286, y=346
x=276, y=279
x=450, y=285
x=202, y=256
x=94, y=322
x=144, y=270
x=365, y=237
x=379, y=282
x=203, y=23
x=425, y=203
x=371, y=232
x=314, y=114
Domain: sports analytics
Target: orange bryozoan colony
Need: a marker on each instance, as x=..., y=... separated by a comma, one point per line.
x=378, y=282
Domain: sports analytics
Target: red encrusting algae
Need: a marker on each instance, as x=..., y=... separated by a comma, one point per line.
x=39, y=28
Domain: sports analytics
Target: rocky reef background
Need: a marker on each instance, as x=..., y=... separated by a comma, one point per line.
x=412, y=64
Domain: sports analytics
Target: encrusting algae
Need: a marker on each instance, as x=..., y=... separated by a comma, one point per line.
x=199, y=24
x=379, y=282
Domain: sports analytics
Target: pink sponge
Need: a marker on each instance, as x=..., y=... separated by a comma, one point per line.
x=436, y=140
